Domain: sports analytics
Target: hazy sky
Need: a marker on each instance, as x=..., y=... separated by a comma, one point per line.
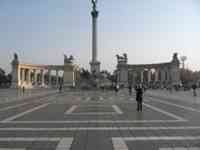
x=149, y=31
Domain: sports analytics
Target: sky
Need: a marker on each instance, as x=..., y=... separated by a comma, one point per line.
x=149, y=31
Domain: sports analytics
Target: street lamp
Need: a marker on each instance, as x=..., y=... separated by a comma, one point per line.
x=183, y=59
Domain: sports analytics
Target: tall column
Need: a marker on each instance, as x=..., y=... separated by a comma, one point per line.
x=42, y=77
x=34, y=76
x=29, y=77
x=149, y=75
x=49, y=76
x=142, y=76
x=95, y=64
x=156, y=75
x=23, y=75
x=15, y=83
x=162, y=76
x=57, y=77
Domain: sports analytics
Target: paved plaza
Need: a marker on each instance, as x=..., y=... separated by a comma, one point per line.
x=97, y=120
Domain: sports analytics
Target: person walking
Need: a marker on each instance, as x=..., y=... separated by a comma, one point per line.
x=60, y=88
x=194, y=87
x=130, y=89
x=23, y=89
x=117, y=88
x=139, y=97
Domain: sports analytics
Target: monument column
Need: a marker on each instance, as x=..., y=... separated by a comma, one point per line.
x=142, y=76
x=42, y=77
x=95, y=64
x=34, y=76
x=56, y=77
x=149, y=75
x=15, y=72
x=23, y=75
x=28, y=77
x=156, y=75
x=49, y=76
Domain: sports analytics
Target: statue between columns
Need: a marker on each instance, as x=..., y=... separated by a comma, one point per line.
x=15, y=59
x=122, y=59
x=68, y=59
x=94, y=2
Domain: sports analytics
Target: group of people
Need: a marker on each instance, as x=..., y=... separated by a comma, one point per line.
x=139, y=94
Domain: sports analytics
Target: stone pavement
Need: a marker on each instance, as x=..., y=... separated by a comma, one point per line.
x=8, y=95
x=96, y=120
x=186, y=96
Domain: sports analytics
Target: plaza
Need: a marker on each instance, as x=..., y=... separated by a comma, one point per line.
x=64, y=106
x=99, y=120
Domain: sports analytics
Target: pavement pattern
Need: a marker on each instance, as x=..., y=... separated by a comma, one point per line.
x=99, y=120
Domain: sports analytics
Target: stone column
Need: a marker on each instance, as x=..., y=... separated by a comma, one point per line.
x=49, y=76
x=95, y=64
x=162, y=76
x=34, y=76
x=42, y=77
x=57, y=77
x=142, y=76
x=156, y=75
x=29, y=77
x=149, y=75
x=23, y=75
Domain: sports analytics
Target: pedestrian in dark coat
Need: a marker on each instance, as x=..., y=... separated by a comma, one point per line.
x=130, y=89
x=139, y=97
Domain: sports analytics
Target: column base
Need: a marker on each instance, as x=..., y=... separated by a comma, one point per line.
x=95, y=67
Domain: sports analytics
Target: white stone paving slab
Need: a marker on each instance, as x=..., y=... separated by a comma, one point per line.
x=11, y=107
x=163, y=111
x=12, y=149
x=70, y=110
x=93, y=121
x=162, y=138
x=100, y=128
x=179, y=148
x=119, y=144
x=173, y=104
x=64, y=143
x=117, y=109
x=24, y=113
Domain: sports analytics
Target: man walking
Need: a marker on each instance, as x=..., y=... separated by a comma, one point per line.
x=130, y=89
x=139, y=97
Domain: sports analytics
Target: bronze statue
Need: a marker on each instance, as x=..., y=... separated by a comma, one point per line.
x=15, y=56
x=122, y=59
x=68, y=60
x=94, y=2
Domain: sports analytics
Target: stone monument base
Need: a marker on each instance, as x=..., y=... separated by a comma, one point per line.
x=95, y=67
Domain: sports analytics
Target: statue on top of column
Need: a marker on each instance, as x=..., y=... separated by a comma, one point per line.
x=68, y=59
x=175, y=58
x=122, y=59
x=94, y=2
x=15, y=59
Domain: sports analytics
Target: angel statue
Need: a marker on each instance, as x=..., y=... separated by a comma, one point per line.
x=15, y=59
x=94, y=2
x=68, y=60
x=15, y=56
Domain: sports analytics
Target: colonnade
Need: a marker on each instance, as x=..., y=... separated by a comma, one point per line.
x=29, y=76
x=161, y=73
x=153, y=75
